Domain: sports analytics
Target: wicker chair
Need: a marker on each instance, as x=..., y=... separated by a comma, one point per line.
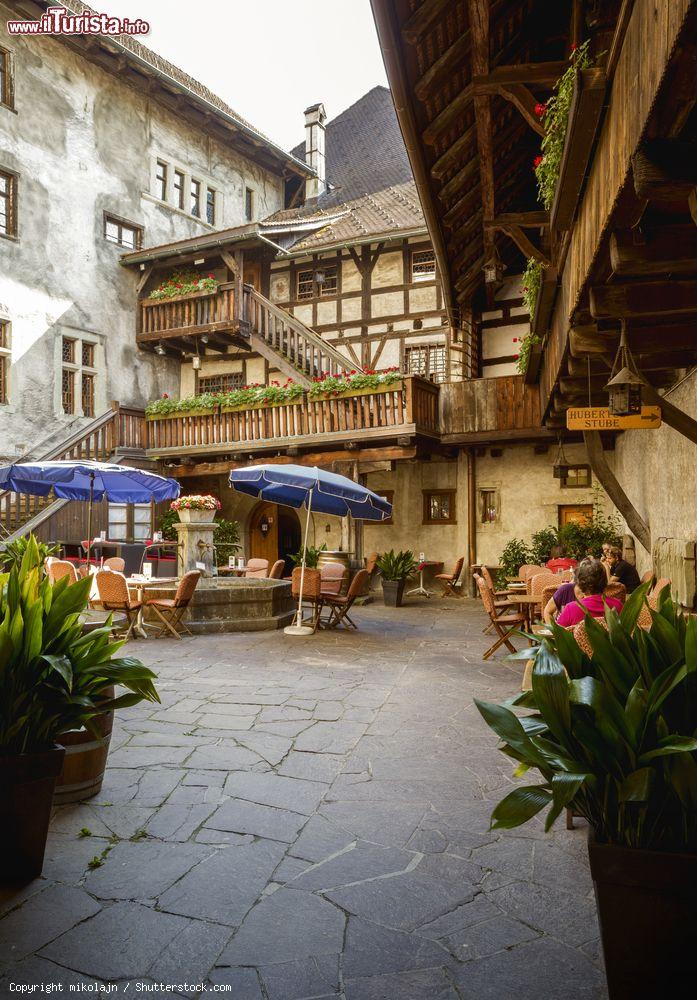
x=59, y=569
x=581, y=636
x=115, y=563
x=170, y=609
x=277, y=569
x=648, y=575
x=616, y=590
x=655, y=591
x=528, y=569
x=339, y=605
x=331, y=578
x=113, y=596
x=449, y=580
x=536, y=583
x=257, y=569
x=504, y=623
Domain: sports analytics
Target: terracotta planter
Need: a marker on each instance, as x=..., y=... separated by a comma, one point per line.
x=189, y=516
x=393, y=592
x=647, y=909
x=85, y=760
x=312, y=584
x=26, y=796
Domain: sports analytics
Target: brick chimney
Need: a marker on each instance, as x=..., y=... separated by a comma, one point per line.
x=315, y=117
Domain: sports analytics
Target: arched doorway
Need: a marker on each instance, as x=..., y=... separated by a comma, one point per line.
x=274, y=533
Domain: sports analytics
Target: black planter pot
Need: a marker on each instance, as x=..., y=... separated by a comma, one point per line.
x=647, y=908
x=27, y=782
x=392, y=592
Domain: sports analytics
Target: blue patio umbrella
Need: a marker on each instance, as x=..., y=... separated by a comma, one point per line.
x=324, y=492
x=87, y=480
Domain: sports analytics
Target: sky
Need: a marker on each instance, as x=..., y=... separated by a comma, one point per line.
x=268, y=59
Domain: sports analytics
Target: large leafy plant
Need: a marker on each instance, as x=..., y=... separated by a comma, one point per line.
x=396, y=565
x=312, y=554
x=226, y=539
x=13, y=552
x=515, y=554
x=52, y=677
x=613, y=735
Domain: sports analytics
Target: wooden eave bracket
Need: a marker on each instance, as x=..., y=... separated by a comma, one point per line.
x=607, y=479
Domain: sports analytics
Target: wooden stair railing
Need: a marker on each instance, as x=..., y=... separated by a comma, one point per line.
x=119, y=427
x=296, y=349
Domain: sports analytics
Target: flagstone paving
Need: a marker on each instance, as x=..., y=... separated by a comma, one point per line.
x=308, y=818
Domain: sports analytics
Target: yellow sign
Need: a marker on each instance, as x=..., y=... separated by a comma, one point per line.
x=598, y=418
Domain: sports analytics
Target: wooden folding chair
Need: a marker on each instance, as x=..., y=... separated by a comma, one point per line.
x=170, y=610
x=505, y=624
x=448, y=580
x=339, y=605
x=501, y=599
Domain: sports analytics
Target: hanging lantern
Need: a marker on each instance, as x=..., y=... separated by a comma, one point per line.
x=320, y=277
x=493, y=269
x=560, y=469
x=196, y=362
x=626, y=384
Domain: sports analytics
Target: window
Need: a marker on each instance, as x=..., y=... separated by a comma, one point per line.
x=178, y=186
x=5, y=354
x=429, y=361
x=306, y=284
x=423, y=265
x=488, y=506
x=210, y=206
x=220, y=383
x=87, y=354
x=68, y=390
x=8, y=204
x=124, y=234
x=161, y=180
x=331, y=280
x=439, y=508
x=130, y=521
x=195, y=198
x=87, y=394
x=68, y=354
x=248, y=204
x=6, y=79
x=577, y=477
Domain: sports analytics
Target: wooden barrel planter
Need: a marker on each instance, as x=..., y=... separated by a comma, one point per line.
x=85, y=760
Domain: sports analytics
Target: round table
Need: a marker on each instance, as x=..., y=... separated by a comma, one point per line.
x=140, y=584
x=92, y=619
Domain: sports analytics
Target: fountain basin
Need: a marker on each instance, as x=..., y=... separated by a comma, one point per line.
x=220, y=604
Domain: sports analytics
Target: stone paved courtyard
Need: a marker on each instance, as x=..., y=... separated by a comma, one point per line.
x=308, y=818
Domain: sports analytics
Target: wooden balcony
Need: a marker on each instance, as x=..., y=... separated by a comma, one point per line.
x=486, y=410
x=187, y=316
x=409, y=409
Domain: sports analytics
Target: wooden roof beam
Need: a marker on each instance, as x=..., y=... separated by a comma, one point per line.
x=450, y=157
x=478, y=11
x=667, y=250
x=665, y=173
x=422, y=19
x=537, y=75
x=649, y=299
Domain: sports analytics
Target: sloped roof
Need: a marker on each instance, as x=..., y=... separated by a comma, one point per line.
x=369, y=176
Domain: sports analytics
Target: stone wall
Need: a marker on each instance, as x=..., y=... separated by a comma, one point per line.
x=657, y=471
x=83, y=143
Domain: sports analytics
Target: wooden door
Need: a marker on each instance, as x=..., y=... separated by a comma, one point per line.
x=575, y=513
x=263, y=533
x=252, y=274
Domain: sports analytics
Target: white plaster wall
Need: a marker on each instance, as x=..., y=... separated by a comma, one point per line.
x=84, y=143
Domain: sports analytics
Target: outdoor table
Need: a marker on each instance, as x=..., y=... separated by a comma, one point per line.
x=515, y=579
x=92, y=620
x=421, y=567
x=140, y=585
x=526, y=603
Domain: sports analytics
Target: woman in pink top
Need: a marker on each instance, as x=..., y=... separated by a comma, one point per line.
x=591, y=581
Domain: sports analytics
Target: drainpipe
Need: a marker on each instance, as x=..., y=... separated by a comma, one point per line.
x=471, y=516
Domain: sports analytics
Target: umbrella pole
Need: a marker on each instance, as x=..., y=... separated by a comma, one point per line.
x=297, y=628
x=89, y=522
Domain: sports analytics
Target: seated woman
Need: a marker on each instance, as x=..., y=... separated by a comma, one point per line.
x=562, y=596
x=591, y=581
x=621, y=571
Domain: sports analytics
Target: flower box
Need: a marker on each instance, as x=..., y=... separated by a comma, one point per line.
x=347, y=393
x=261, y=406
x=179, y=298
x=180, y=413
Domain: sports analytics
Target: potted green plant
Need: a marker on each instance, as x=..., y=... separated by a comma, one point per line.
x=53, y=680
x=196, y=507
x=614, y=737
x=312, y=581
x=395, y=568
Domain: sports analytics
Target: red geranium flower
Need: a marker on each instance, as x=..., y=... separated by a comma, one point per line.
x=165, y=395
x=540, y=109
x=212, y=277
x=537, y=161
x=574, y=46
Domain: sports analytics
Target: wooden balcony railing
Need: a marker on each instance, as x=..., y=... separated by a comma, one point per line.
x=411, y=407
x=203, y=312
x=490, y=409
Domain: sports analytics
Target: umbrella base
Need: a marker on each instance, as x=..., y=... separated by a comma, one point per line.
x=298, y=630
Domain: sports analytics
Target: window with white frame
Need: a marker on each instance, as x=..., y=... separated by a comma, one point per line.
x=224, y=382
x=178, y=187
x=79, y=376
x=195, y=204
x=423, y=265
x=210, y=206
x=306, y=284
x=428, y=360
x=327, y=279
x=5, y=356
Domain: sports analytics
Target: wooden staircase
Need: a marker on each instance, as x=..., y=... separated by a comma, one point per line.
x=119, y=428
x=285, y=342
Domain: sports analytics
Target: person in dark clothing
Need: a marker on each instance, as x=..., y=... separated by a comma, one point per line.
x=621, y=571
